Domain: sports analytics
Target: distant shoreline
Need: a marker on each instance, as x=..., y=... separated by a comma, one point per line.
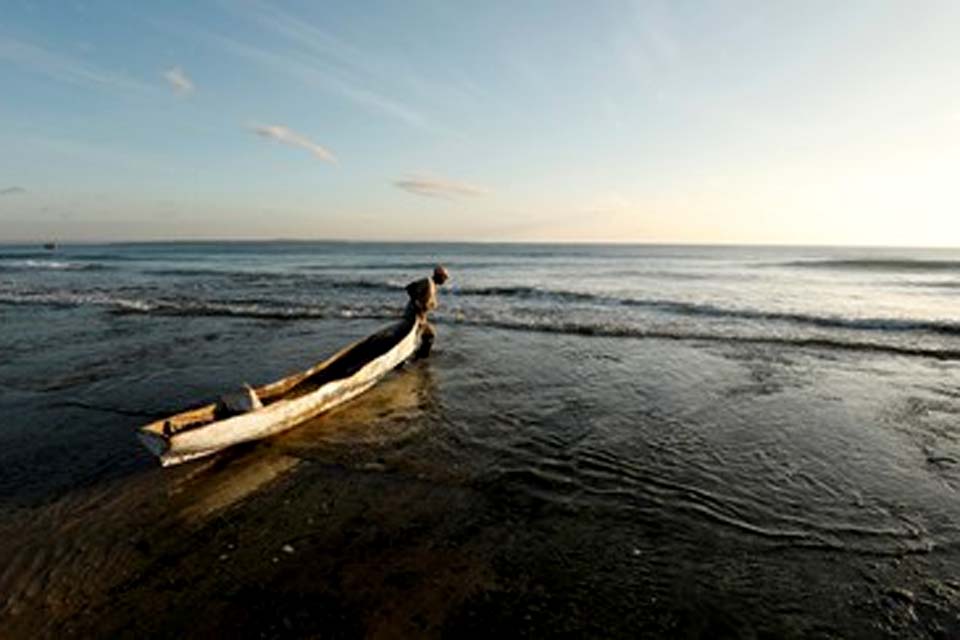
x=538, y=243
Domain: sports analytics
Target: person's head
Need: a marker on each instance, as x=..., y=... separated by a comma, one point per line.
x=440, y=274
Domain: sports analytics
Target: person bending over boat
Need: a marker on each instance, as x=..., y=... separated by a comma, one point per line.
x=423, y=299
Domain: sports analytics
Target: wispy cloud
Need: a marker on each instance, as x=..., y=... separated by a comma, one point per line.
x=433, y=187
x=64, y=68
x=313, y=55
x=290, y=137
x=348, y=69
x=178, y=80
x=12, y=191
x=305, y=68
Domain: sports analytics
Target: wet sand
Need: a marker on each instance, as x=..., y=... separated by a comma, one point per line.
x=514, y=484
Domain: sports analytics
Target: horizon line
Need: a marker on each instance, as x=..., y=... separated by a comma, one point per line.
x=607, y=243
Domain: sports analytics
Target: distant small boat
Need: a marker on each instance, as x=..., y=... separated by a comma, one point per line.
x=50, y=246
x=282, y=405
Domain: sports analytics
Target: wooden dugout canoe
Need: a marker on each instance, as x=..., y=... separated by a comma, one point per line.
x=289, y=401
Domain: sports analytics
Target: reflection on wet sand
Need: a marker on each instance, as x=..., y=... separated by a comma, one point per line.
x=108, y=536
x=234, y=482
x=388, y=412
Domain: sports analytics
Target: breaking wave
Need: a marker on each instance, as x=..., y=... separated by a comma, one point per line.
x=713, y=311
x=253, y=310
x=531, y=293
x=279, y=310
x=50, y=265
x=426, y=267
x=23, y=255
x=279, y=307
x=269, y=310
x=614, y=331
x=876, y=264
x=273, y=277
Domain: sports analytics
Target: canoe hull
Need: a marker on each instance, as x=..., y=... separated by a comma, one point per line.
x=283, y=414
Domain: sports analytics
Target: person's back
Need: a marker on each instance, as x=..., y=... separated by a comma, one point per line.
x=423, y=299
x=423, y=292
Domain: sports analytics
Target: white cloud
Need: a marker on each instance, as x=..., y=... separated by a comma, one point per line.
x=64, y=68
x=178, y=80
x=290, y=137
x=438, y=187
x=12, y=191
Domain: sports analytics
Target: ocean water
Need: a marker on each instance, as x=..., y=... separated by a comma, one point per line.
x=607, y=441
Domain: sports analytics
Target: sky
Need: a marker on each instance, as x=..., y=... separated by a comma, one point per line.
x=789, y=122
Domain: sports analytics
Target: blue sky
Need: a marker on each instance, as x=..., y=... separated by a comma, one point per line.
x=797, y=122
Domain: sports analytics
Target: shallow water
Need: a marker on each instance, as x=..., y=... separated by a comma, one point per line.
x=606, y=442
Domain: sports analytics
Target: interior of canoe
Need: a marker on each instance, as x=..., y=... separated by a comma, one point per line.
x=343, y=364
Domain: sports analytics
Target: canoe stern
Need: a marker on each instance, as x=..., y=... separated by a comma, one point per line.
x=154, y=442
